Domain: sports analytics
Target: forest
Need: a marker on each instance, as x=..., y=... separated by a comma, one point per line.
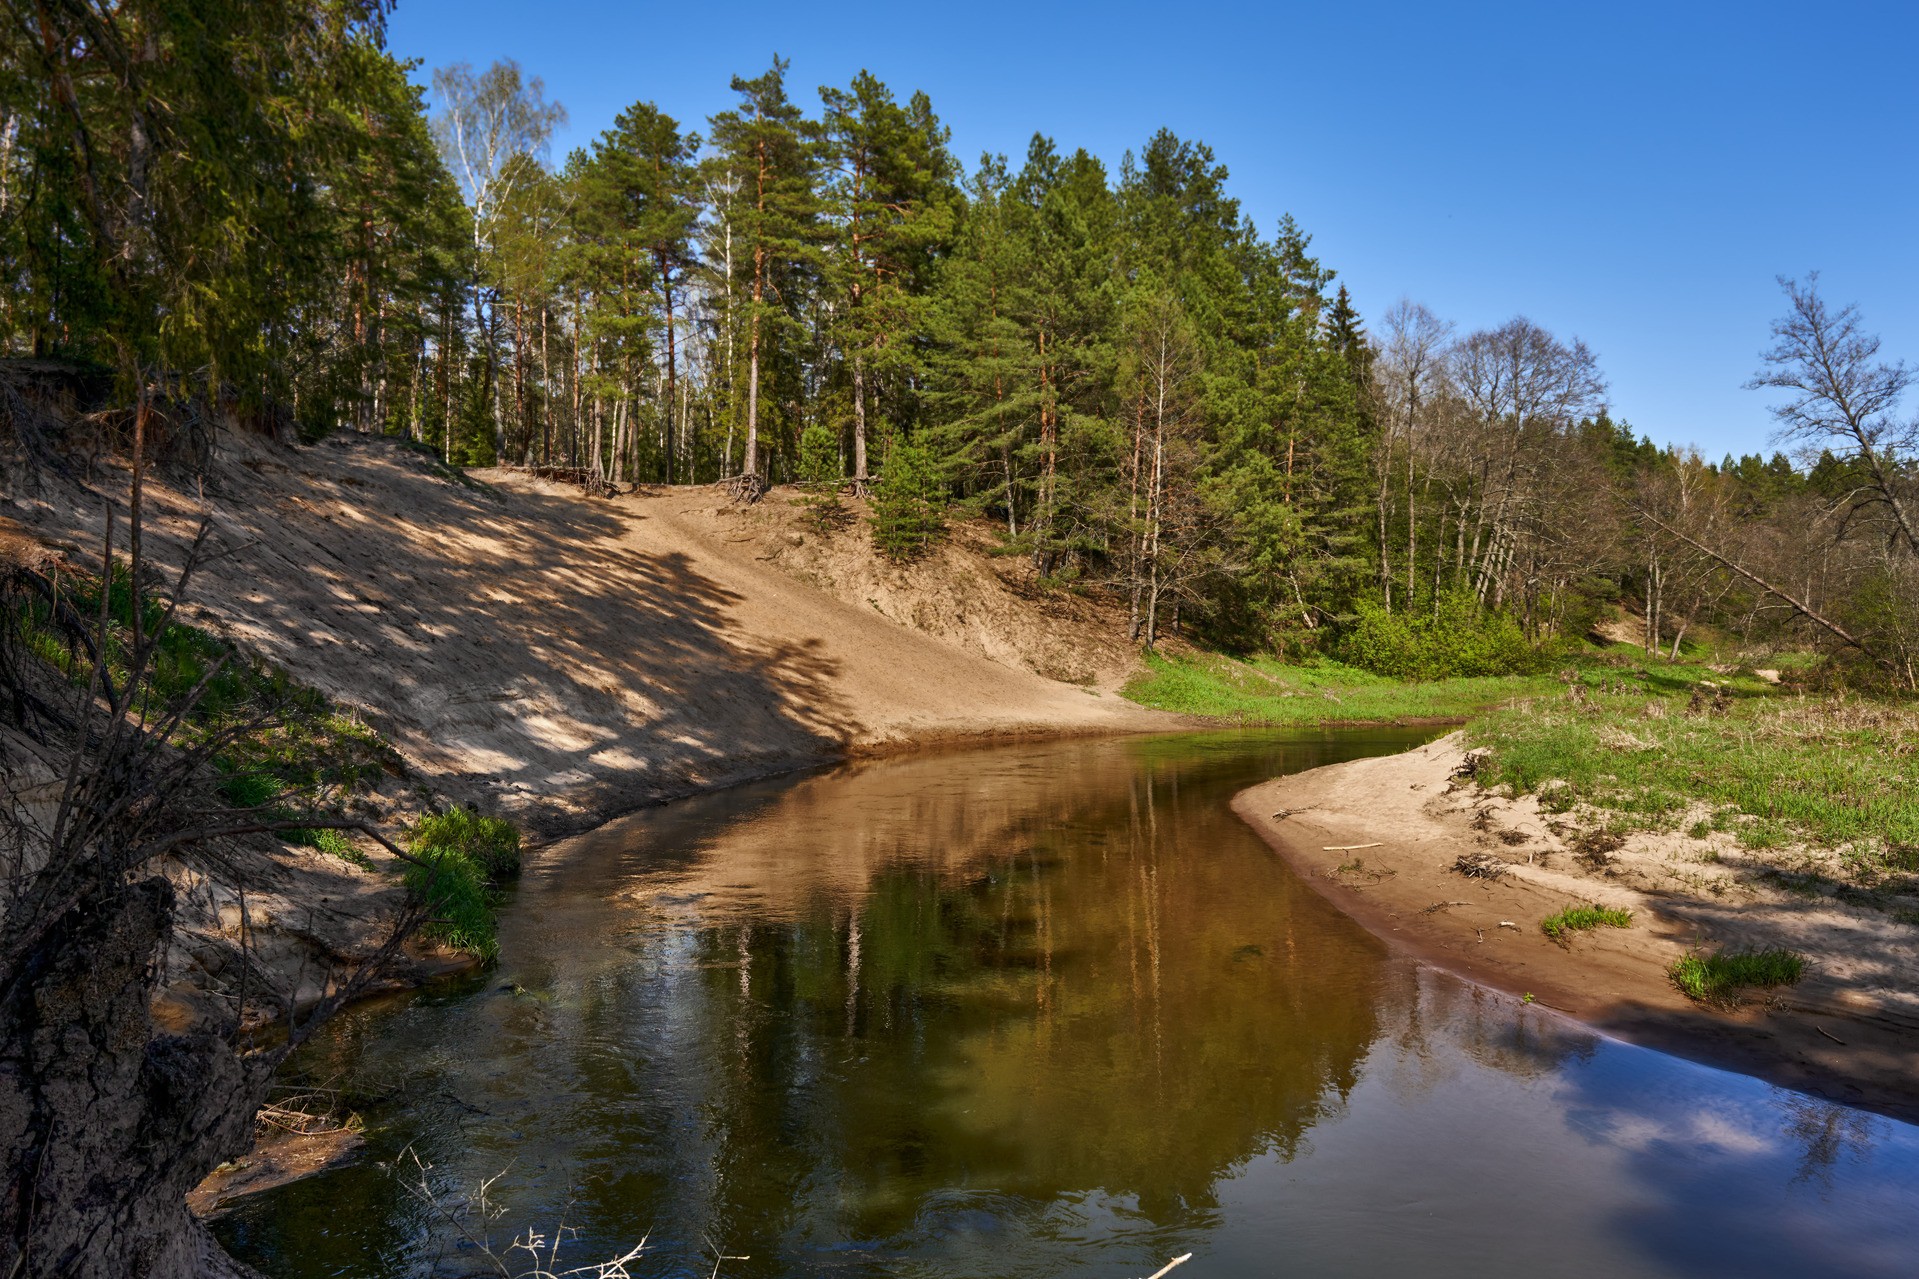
x=255, y=214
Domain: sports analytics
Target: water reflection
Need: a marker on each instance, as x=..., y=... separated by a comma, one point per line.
x=1038, y=1010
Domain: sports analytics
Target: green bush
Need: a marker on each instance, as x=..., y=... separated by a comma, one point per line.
x=461, y=900
x=463, y=858
x=909, y=503
x=1457, y=639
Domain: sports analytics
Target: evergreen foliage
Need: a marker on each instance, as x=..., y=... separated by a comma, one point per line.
x=909, y=503
x=246, y=206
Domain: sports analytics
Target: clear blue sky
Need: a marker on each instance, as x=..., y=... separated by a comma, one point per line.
x=1632, y=174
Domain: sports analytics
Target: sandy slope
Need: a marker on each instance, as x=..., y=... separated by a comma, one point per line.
x=563, y=658
x=559, y=658
x=1380, y=838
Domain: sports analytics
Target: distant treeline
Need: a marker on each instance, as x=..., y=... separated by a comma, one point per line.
x=248, y=203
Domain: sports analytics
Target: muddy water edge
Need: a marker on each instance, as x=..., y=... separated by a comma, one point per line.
x=1034, y=1010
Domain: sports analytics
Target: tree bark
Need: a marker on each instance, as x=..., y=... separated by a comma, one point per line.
x=106, y=1125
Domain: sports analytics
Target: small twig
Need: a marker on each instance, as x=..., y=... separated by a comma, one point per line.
x=1176, y=1261
x=1828, y=1034
x=1348, y=848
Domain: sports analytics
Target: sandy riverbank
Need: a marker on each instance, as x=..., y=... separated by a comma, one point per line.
x=561, y=659
x=1379, y=837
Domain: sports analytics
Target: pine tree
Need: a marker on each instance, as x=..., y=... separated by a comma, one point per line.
x=647, y=182
x=889, y=200
x=909, y=502
x=768, y=147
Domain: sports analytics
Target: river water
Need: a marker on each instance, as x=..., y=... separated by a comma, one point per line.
x=1028, y=1011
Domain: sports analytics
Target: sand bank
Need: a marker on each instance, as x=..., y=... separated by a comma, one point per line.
x=1381, y=837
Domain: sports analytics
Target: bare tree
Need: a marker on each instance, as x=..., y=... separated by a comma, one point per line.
x=1409, y=378
x=483, y=124
x=1845, y=399
x=1523, y=385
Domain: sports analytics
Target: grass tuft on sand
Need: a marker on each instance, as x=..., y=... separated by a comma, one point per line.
x=1577, y=919
x=1717, y=979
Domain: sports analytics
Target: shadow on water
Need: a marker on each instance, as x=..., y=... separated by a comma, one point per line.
x=1032, y=1010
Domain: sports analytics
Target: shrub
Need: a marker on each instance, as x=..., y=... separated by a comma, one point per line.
x=463, y=858
x=909, y=503
x=1459, y=638
x=1574, y=919
x=1715, y=979
x=460, y=899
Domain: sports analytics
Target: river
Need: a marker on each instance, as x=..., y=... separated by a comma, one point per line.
x=1035, y=1010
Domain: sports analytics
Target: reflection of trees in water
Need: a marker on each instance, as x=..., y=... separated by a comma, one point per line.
x=1437, y=1024
x=1135, y=1003
x=1824, y=1132
x=1022, y=989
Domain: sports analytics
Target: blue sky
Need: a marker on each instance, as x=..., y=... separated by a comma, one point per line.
x=1633, y=174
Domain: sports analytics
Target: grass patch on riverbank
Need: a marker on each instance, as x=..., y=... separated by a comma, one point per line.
x=1577, y=919
x=464, y=859
x=280, y=750
x=1264, y=691
x=1771, y=770
x=1717, y=979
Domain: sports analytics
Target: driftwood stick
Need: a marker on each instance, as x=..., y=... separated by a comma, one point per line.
x=1348, y=848
x=1176, y=1261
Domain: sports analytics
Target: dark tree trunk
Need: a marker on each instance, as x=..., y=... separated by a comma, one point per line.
x=106, y=1124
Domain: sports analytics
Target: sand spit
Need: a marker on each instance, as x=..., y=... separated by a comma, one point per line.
x=1381, y=838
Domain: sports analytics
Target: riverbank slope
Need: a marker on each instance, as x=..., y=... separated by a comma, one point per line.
x=561, y=658
x=1382, y=838
x=557, y=658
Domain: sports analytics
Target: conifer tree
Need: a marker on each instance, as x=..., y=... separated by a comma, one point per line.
x=768, y=147
x=888, y=199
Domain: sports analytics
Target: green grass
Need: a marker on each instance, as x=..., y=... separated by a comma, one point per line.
x=1774, y=769
x=1267, y=691
x=1717, y=979
x=464, y=858
x=284, y=750
x=1574, y=919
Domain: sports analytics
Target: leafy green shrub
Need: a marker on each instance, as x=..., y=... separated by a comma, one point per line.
x=460, y=898
x=1574, y=919
x=1715, y=979
x=909, y=503
x=1459, y=638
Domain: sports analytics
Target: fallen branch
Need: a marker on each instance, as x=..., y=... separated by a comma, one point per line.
x=1183, y=1258
x=1799, y=606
